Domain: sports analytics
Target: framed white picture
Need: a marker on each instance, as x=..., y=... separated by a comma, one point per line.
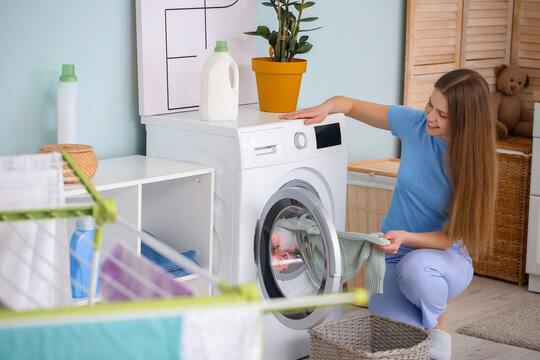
x=176, y=37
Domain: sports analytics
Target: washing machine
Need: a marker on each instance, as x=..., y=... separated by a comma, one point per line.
x=280, y=191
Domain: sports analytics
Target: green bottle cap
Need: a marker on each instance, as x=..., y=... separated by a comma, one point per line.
x=221, y=46
x=68, y=73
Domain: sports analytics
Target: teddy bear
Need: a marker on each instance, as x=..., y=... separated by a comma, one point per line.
x=511, y=116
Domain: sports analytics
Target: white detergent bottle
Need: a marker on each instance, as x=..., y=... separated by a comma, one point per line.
x=67, y=106
x=219, y=86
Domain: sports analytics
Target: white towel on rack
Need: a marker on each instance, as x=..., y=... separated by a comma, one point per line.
x=34, y=255
x=215, y=334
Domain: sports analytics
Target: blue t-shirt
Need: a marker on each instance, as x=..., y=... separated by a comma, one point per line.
x=420, y=202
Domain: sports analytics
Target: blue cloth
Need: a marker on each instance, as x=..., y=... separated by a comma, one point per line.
x=163, y=262
x=423, y=189
x=154, y=338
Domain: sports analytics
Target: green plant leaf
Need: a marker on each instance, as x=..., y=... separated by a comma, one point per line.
x=285, y=14
x=299, y=7
x=263, y=31
x=317, y=28
x=272, y=39
x=309, y=19
x=304, y=48
x=284, y=42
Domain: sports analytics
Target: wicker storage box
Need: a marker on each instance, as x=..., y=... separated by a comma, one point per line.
x=83, y=155
x=370, y=185
x=369, y=336
x=507, y=261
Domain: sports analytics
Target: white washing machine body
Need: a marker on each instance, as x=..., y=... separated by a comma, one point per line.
x=267, y=171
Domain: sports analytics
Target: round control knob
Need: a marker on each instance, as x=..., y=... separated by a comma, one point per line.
x=300, y=140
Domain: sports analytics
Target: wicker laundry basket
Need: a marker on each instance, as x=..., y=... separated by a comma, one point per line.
x=369, y=336
x=507, y=259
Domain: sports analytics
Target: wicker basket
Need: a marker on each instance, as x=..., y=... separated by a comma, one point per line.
x=507, y=260
x=83, y=155
x=369, y=336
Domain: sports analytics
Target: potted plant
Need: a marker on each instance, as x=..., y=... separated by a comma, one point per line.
x=279, y=76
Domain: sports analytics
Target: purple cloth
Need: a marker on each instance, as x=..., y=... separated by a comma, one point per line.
x=138, y=275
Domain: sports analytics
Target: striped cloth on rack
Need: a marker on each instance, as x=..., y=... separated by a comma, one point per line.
x=126, y=276
x=212, y=333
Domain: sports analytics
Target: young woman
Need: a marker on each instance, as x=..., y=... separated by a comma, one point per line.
x=443, y=204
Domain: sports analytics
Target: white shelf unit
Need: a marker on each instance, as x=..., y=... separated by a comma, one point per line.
x=172, y=200
x=533, y=238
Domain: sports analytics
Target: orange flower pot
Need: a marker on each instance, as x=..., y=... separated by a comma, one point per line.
x=278, y=83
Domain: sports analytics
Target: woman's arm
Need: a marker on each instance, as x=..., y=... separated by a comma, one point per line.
x=370, y=113
x=428, y=240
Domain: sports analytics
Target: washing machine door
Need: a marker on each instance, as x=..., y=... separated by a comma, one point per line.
x=297, y=252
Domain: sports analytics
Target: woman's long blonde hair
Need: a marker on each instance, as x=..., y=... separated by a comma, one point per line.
x=471, y=160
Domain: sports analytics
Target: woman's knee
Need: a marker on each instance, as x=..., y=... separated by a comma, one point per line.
x=416, y=266
x=415, y=274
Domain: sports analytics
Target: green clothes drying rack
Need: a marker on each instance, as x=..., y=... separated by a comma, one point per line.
x=104, y=212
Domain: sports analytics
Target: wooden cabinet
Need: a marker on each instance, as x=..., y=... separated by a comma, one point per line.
x=172, y=200
x=443, y=35
x=370, y=185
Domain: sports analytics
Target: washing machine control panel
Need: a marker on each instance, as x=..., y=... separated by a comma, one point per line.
x=328, y=135
x=300, y=140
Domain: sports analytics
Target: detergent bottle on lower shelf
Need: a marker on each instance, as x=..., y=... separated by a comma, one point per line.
x=219, y=86
x=81, y=244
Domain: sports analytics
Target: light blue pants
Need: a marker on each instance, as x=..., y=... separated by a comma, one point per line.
x=418, y=282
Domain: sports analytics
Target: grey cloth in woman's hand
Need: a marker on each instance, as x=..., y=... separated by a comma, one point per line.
x=355, y=249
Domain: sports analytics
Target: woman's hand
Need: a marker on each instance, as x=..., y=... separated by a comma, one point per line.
x=312, y=115
x=396, y=238
x=369, y=113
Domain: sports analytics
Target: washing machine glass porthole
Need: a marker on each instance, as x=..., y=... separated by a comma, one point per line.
x=294, y=251
x=297, y=254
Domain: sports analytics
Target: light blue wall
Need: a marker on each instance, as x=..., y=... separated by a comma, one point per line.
x=358, y=53
x=98, y=36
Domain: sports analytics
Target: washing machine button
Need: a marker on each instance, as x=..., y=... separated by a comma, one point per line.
x=300, y=140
